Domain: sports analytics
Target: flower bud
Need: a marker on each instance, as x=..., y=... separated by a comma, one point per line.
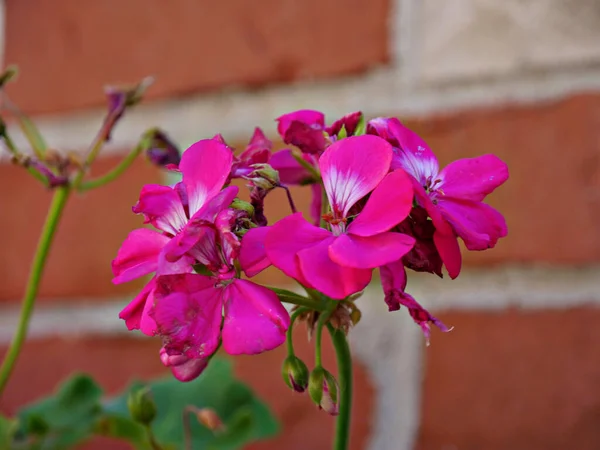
x=323, y=390
x=264, y=176
x=295, y=373
x=210, y=419
x=141, y=406
x=162, y=152
x=242, y=206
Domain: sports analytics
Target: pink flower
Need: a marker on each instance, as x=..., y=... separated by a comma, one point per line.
x=393, y=280
x=338, y=261
x=453, y=197
x=177, y=212
x=258, y=151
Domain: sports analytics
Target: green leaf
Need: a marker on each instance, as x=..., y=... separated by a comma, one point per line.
x=64, y=419
x=7, y=431
x=120, y=427
x=361, y=126
x=246, y=418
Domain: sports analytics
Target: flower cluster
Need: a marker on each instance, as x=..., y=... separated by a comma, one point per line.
x=380, y=201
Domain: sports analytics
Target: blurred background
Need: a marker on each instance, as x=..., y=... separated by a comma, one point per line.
x=519, y=79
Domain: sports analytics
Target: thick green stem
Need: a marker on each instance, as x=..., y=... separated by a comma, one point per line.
x=295, y=299
x=323, y=318
x=59, y=201
x=344, y=363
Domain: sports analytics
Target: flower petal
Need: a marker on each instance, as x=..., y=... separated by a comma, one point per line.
x=307, y=116
x=316, y=203
x=205, y=167
x=353, y=167
x=253, y=256
x=211, y=209
x=188, y=313
x=182, y=367
x=479, y=225
x=473, y=178
x=393, y=280
x=162, y=207
x=449, y=251
x=388, y=205
x=328, y=277
x=286, y=238
x=138, y=255
x=369, y=252
x=133, y=312
x=290, y=170
x=255, y=320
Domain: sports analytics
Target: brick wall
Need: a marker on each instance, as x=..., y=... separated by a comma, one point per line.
x=521, y=80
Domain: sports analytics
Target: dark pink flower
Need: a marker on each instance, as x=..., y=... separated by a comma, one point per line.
x=178, y=212
x=339, y=261
x=258, y=151
x=453, y=197
x=182, y=367
x=393, y=280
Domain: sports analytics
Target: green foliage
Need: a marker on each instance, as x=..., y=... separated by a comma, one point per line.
x=77, y=412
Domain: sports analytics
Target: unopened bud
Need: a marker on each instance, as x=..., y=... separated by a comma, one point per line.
x=161, y=151
x=263, y=176
x=210, y=419
x=295, y=373
x=242, y=206
x=323, y=390
x=141, y=406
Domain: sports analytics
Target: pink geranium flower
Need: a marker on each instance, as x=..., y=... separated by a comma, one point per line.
x=453, y=197
x=338, y=261
x=177, y=212
x=195, y=313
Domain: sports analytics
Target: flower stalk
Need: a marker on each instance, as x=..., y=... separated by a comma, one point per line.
x=57, y=206
x=344, y=363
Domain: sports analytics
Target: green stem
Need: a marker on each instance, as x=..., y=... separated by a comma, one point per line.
x=288, y=342
x=344, y=363
x=59, y=201
x=118, y=170
x=295, y=299
x=324, y=207
x=12, y=148
x=153, y=442
x=297, y=155
x=323, y=318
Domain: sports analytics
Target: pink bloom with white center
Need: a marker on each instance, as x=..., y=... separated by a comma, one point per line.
x=177, y=212
x=339, y=261
x=453, y=197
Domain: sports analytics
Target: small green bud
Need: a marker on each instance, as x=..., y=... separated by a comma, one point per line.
x=242, y=206
x=264, y=176
x=323, y=390
x=295, y=373
x=141, y=406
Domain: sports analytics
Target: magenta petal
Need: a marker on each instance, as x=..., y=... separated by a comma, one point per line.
x=369, y=252
x=415, y=156
x=182, y=367
x=328, y=277
x=286, y=238
x=255, y=320
x=253, y=256
x=353, y=167
x=433, y=211
x=205, y=167
x=216, y=204
x=449, y=251
x=479, y=225
x=162, y=207
x=316, y=203
x=132, y=313
x=388, y=205
x=188, y=313
x=307, y=116
x=138, y=256
x=290, y=170
x=473, y=178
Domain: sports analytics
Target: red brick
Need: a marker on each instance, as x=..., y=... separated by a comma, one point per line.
x=116, y=361
x=67, y=50
x=92, y=229
x=513, y=381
